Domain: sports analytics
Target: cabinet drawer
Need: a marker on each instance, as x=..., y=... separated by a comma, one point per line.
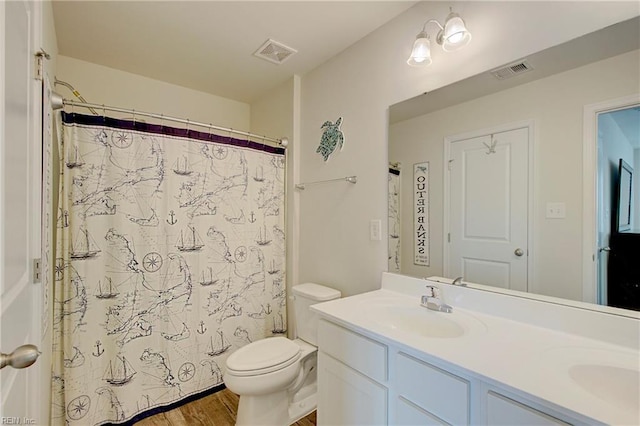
x=505, y=411
x=407, y=413
x=358, y=352
x=440, y=393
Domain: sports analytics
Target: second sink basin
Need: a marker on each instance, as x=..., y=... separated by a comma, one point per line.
x=421, y=321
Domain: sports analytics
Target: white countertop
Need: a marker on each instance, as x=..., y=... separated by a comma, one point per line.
x=534, y=360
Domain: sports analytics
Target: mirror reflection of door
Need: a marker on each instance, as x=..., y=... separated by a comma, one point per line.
x=618, y=141
x=488, y=213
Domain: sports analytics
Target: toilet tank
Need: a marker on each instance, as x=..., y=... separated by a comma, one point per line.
x=305, y=295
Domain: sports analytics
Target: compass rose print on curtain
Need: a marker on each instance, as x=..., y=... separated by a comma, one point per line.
x=332, y=138
x=171, y=255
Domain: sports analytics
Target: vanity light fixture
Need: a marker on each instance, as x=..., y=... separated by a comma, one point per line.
x=452, y=36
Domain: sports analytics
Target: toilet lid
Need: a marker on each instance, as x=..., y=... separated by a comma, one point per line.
x=263, y=356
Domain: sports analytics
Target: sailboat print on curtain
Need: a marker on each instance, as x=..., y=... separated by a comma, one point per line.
x=75, y=160
x=262, y=239
x=120, y=371
x=218, y=346
x=189, y=240
x=84, y=246
x=170, y=257
x=106, y=291
x=208, y=277
x=181, y=166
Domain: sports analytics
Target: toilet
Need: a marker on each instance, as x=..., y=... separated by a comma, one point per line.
x=276, y=377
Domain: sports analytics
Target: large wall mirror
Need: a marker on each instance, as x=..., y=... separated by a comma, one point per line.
x=505, y=155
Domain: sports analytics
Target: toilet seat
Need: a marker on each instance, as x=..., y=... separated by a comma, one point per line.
x=263, y=356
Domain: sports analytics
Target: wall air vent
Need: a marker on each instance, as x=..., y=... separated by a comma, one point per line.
x=274, y=51
x=512, y=69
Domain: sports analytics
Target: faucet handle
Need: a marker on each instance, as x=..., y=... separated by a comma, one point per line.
x=433, y=291
x=458, y=281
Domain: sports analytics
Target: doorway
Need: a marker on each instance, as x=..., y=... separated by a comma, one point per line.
x=487, y=206
x=618, y=142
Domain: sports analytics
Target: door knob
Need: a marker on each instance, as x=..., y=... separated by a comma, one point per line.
x=22, y=357
x=518, y=252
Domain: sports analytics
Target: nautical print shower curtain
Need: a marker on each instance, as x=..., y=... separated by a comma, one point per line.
x=170, y=255
x=394, y=219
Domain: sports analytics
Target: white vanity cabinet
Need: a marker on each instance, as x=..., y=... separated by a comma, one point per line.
x=362, y=381
x=352, y=378
x=426, y=394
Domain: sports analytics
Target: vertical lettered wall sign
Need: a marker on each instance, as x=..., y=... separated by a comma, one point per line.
x=421, y=213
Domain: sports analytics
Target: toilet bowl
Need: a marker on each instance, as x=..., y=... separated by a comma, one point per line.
x=276, y=377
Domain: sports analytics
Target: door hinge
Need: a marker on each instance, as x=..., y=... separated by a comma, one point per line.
x=41, y=55
x=448, y=237
x=449, y=165
x=37, y=271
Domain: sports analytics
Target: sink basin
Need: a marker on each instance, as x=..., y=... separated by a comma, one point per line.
x=421, y=321
x=616, y=385
x=611, y=376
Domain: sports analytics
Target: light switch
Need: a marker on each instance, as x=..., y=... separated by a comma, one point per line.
x=556, y=211
x=375, y=230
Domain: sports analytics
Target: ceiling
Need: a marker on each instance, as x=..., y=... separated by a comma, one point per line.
x=209, y=45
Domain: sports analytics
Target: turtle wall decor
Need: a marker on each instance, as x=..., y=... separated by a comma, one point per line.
x=332, y=138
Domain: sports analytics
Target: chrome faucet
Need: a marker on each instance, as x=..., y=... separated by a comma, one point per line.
x=458, y=281
x=433, y=301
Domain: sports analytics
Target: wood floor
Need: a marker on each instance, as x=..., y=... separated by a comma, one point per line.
x=218, y=409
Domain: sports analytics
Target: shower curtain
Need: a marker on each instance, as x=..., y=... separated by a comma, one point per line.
x=394, y=219
x=170, y=255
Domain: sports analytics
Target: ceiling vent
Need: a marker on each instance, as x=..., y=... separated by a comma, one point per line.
x=510, y=70
x=274, y=51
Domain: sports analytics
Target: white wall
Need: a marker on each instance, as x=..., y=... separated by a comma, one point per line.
x=102, y=85
x=50, y=45
x=360, y=83
x=556, y=105
x=276, y=114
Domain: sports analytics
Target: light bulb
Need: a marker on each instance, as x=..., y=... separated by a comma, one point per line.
x=421, y=52
x=455, y=34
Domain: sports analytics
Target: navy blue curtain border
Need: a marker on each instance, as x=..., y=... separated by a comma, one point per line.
x=98, y=120
x=163, y=409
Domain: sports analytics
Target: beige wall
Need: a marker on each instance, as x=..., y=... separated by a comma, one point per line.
x=360, y=83
x=102, y=85
x=276, y=114
x=556, y=105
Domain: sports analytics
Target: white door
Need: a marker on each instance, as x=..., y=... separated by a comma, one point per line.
x=19, y=209
x=488, y=209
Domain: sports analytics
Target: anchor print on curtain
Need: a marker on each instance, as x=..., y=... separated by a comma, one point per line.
x=170, y=256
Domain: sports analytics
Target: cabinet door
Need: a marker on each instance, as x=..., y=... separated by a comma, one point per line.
x=346, y=397
x=505, y=411
x=409, y=414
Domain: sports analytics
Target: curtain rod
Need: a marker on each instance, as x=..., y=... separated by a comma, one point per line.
x=350, y=179
x=66, y=102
